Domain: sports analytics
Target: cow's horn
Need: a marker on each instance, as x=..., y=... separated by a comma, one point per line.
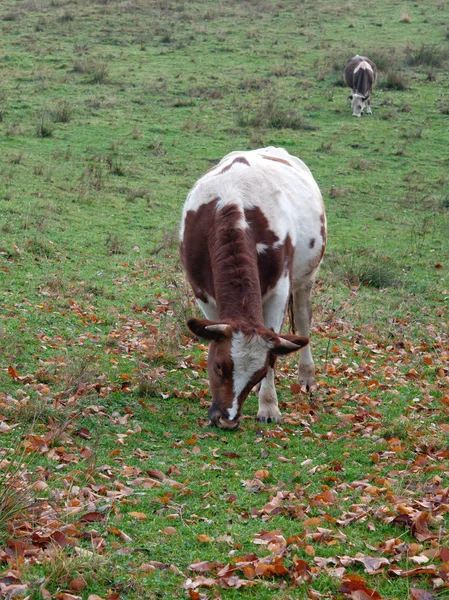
x=220, y=328
x=283, y=343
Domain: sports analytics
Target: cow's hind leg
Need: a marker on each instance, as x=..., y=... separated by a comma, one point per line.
x=302, y=310
x=273, y=316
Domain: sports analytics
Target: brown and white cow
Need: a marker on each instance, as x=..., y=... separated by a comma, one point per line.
x=360, y=75
x=253, y=235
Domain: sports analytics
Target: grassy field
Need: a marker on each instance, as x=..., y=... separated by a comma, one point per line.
x=112, y=482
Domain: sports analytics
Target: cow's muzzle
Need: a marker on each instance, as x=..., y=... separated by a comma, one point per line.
x=216, y=418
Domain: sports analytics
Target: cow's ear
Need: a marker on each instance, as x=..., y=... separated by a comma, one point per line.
x=365, y=98
x=290, y=343
x=350, y=97
x=209, y=330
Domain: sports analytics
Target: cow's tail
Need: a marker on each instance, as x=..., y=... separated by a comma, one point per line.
x=291, y=315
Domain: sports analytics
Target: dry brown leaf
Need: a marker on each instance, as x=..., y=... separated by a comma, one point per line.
x=140, y=516
x=418, y=594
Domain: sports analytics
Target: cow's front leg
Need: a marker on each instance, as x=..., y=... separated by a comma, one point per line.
x=368, y=107
x=273, y=315
x=268, y=400
x=302, y=308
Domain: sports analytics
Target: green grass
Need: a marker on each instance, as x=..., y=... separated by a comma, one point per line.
x=109, y=112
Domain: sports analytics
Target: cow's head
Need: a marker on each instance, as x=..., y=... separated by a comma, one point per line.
x=358, y=103
x=239, y=358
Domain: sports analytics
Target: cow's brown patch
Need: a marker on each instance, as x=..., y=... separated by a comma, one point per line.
x=312, y=243
x=239, y=159
x=275, y=259
x=276, y=159
x=194, y=249
x=220, y=260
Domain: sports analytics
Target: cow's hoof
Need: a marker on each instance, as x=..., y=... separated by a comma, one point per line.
x=306, y=378
x=269, y=415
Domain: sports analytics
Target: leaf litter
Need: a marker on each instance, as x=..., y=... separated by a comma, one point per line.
x=405, y=485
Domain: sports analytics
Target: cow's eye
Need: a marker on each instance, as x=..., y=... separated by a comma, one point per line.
x=217, y=366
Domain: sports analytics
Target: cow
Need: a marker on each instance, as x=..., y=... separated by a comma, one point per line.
x=253, y=235
x=360, y=75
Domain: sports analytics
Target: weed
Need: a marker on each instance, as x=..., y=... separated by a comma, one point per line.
x=253, y=83
x=169, y=241
x=285, y=70
x=394, y=80
x=271, y=114
x=385, y=59
x=79, y=371
x=337, y=80
x=132, y=195
x=16, y=159
x=66, y=567
x=375, y=271
x=62, y=113
x=326, y=147
x=66, y=17
x=94, y=176
x=359, y=164
x=113, y=244
x=115, y=165
x=444, y=106
x=184, y=103
x=428, y=55
x=387, y=115
x=40, y=247
x=12, y=15
x=244, y=117
x=44, y=128
x=405, y=18
x=40, y=24
x=414, y=133
x=98, y=71
x=14, y=496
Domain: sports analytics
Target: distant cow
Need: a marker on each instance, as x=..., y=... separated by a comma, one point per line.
x=253, y=235
x=360, y=75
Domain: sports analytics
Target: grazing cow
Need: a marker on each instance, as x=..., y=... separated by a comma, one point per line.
x=360, y=74
x=253, y=235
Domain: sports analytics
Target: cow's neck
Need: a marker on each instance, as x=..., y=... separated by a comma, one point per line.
x=234, y=266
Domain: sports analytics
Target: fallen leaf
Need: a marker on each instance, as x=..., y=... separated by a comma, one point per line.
x=418, y=594
x=140, y=516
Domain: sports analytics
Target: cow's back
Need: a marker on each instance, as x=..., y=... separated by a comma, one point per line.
x=353, y=66
x=280, y=208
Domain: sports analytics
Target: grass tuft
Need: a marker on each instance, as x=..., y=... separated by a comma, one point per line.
x=374, y=270
x=44, y=127
x=272, y=115
x=394, y=80
x=428, y=55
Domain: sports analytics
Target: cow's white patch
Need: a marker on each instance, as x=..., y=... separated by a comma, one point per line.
x=208, y=308
x=242, y=223
x=261, y=247
x=274, y=303
x=249, y=355
x=363, y=65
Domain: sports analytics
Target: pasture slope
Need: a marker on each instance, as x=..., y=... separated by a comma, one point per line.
x=112, y=484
